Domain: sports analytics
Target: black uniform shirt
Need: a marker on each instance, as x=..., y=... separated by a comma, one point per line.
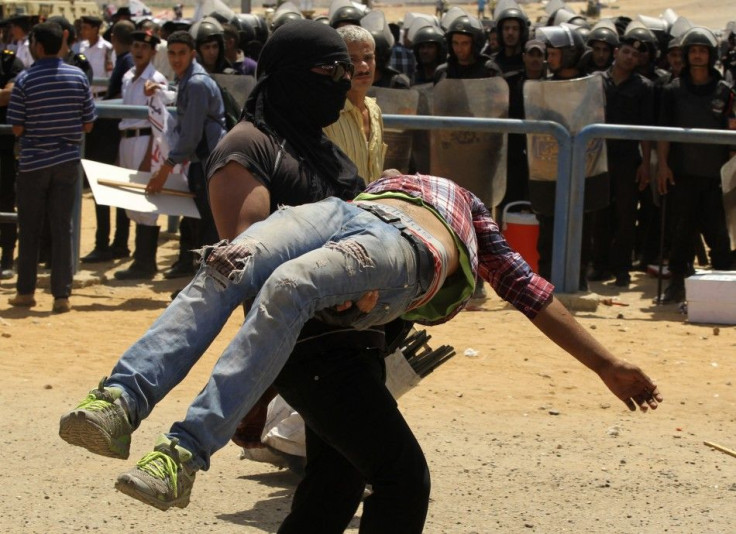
x=630, y=102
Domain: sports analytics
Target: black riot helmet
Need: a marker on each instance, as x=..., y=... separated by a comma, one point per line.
x=566, y=39
x=699, y=36
x=429, y=34
x=467, y=25
x=566, y=15
x=347, y=14
x=638, y=32
x=513, y=13
x=621, y=22
x=375, y=23
x=605, y=32
x=659, y=27
x=286, y=12
x=206, y=30
x=251, y=27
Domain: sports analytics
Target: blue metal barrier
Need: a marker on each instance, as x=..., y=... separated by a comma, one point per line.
x=513, y=126
x=570, y=165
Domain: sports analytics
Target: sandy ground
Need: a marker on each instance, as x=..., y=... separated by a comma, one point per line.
x=520, y=438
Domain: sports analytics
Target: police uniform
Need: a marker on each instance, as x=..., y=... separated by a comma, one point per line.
x=135, y=141
x=629, y=102
x=696, y=197
x=10, y=67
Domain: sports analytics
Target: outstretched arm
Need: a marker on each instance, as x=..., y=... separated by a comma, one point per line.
x=625, y=380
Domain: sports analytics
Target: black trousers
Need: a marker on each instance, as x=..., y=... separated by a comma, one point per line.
x=614, y=227
x=47, y=193
x=545, y=244
x=8, y=231
x=697, y=207
x=196, y=233
x=102, y=145
x=102, y=233
x=355, y=435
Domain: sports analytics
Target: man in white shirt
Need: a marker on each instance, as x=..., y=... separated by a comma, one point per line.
x=19, y=27
x=135, y=150
x=97, y=50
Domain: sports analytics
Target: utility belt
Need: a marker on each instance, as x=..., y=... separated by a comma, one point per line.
x=425, y=260
x=136, y=132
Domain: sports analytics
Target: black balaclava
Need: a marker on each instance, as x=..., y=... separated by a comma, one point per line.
x=295, y=103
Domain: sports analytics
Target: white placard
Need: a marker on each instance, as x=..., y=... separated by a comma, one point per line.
x=136, y=199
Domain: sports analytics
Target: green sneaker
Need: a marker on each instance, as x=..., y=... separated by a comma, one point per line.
x=162, y=478
x=99, y=424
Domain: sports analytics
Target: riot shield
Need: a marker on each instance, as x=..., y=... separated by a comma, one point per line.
x=237, y=85
x=475, y=160
x=396, y=102
x=728, y=184
x=574, y=104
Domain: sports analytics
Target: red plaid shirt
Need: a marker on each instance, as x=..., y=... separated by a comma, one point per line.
x=489, y=253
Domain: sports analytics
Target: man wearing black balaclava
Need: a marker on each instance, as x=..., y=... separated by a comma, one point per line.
x=335, y=376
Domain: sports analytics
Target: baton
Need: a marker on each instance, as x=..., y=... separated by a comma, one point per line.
x=662, y=208
x=130, y=185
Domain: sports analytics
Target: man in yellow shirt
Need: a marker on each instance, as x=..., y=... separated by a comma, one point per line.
x=359, y=130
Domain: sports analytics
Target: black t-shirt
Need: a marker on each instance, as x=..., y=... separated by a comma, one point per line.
x=630, y=102
x=289, y=179
x=686, y=105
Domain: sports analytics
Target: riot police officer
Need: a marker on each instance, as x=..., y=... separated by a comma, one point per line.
x=10, y=67
x=209, y=37
x=689, y=173
x=512, y=26
x=465, y=40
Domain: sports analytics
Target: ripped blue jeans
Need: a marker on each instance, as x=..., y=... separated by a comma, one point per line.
x=295, y=263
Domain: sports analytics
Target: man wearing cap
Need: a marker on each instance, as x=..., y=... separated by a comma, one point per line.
x=629, y=100
x=96, y=49
x=123, y=13
x=517, y=168
x=19, y=27
x=103, y=147
x=135, y=150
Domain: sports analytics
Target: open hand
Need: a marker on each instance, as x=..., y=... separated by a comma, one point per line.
x=365, y=304
x=631, y=385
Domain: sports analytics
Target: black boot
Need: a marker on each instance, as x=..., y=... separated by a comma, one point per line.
x=675, y=291
x=183, y=267
x=144, y=257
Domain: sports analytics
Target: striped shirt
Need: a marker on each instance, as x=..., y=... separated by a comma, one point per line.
x=348, y=134
x=51, y=100
x=488, y=252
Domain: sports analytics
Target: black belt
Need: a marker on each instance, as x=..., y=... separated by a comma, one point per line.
x=136, y=132
x=425, y=260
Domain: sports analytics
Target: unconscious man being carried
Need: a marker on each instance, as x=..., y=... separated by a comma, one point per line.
x=409, y=246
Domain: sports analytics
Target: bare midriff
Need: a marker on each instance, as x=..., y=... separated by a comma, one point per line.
x=431, y=224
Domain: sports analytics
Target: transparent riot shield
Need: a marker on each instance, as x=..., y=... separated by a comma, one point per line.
x=574, y=104
x=475, y=160
x=396, y=102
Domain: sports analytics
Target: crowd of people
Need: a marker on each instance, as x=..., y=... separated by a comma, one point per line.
x=641, y=61
x=308, y=132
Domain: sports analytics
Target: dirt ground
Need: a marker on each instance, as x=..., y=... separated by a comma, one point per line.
x=519, y=437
